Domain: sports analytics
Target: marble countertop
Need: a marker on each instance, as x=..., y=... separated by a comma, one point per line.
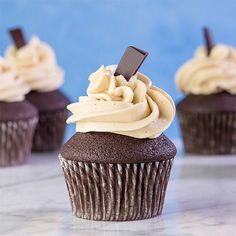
x=200, y=200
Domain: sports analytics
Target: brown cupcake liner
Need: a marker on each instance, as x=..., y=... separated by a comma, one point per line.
x=116, y=192
x=49, y=133
x=208, y=133
x=16, y=141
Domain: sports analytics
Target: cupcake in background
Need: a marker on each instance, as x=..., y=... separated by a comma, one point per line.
x=118, y=163
x=35, y=62
x=207, y=114
x=18, y=118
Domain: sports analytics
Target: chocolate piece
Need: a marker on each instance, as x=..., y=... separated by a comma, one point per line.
x=114, y=148
x=18, y=37
x=208, y=40
x=14, y=111
x=220, y=102
x=130, y=62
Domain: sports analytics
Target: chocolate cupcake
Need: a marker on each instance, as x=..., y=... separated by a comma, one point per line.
x=35, y=62
x=18, y=118
x=118, y=163
x=207, y=113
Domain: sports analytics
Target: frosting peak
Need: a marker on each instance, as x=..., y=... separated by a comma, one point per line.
x=133, y=108
x=208, y=74
x=36, y=64
x=12, y=88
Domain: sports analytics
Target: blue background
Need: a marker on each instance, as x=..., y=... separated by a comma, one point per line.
x=86, y=34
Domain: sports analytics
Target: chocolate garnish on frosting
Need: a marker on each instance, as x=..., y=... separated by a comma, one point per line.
x=17, y=37
x=208, y=40
x=130, y=62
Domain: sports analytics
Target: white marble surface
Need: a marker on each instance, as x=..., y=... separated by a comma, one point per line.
x=200, y=200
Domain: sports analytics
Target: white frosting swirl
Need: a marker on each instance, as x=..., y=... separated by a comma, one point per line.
x=133, y=108
x=36, y=64
x=209, y=74
x=12, y=88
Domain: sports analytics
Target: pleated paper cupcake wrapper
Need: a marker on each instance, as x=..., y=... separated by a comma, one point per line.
x=49, y=133
x=116, y=192
x=208, y=133
x=16, y=141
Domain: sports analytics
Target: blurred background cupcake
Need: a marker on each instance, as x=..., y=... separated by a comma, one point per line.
x=207, y=114
x=35, y=62
x=18, y=118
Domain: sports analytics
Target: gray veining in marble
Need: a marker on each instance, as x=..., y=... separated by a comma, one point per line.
x=200, y=200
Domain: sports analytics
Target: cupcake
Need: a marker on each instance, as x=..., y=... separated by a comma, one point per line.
x=35, y=63
x=207, y=113
x=18, y=118
x=118, y=163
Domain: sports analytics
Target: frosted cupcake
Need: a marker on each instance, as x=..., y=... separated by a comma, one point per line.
x=18, y=118
x=207, y=114
x=118, y=163
x=35, y=62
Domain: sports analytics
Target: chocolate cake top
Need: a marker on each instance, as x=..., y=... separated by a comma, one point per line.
x=208, y=103
x=48, y=101
x=114, y=148
x=13, y=111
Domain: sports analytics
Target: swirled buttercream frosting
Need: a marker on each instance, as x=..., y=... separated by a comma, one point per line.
x=133, y=108
x=209, y=74
x=36, y=64
x=12, y=88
